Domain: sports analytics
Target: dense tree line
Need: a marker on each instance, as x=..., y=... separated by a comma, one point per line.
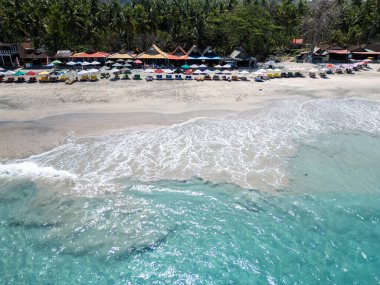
x=260, y=26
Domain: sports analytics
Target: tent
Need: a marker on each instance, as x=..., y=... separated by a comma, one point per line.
x=240, y=57
x=194, y=53
x=153, y=52
x=210, y=54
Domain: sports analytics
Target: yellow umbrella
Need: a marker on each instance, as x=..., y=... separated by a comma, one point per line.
x=43, y=73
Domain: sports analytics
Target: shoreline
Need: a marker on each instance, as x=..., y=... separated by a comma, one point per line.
x=40, y=117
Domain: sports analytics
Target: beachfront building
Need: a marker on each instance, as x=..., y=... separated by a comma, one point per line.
x=91, y=55
x=194, y=53
x=208, y=56
x=8, y=54
x=32, y=57
x=153, y=55
x=122, y=55
x=63, y=55
x=178, y=57
x=338, y=53
x=239, y=57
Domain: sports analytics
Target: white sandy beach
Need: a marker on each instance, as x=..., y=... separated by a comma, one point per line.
x=41, y=116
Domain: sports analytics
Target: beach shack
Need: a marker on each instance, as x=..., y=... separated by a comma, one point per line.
x=194, y=53
x=178, y=56
x=209, y=54
x=338, y=53
x=239, y=57
x=63, y=55
x=153, y=55
x=296, y=43
x=91, y=55
x=8, y=54
x=122, y=55
x=371, y=51
x=30, y=56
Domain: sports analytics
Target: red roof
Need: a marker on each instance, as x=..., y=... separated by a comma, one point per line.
x=367, y=52
x=297, y=41
x=176, y=57
x=91, y=55
x=338, y=51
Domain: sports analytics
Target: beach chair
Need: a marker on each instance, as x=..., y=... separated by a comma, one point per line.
x=189, y=77
x=329, y=71
x=10, y=79
x=234, y=78
x=169, y=77
x=259, y=79
x=243, y=78
x=276, y=75
x=159, y=77
x=32, y=80
x=199, y=79
x=20, y=79
x=349, y=71
x=290, y=74
x=43, y=79
x=284, y=75
x=136, y=77
x=312, y=75
x=265, y=77
x=216, y=77
x=339, y=71
x=149, y=78
x=178, y=77
x=125, y=76
x=93, y=78
x=207, y=77
x=63, y=78
x=323, y=75
x=270, y=75
x=298, y=74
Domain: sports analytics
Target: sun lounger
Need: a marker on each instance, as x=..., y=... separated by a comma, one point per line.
x=339, y=71
x=169, y=77
x=10, y=79
x=136, y=77
x=322, y=75
x=290, y=74
x=93, y=78
x=125, y=76
x=243, y=78
x=259, y=79
x=149, y=78
x=53, y=79
x=189, y=77
x=20, y=80
x=329, y=71
x=264, y=77
x=159, y=77
x=284, y=74
x=235, y=78
x=207, y=77
x=312, y=75
x=178, y=77
x=270, y=75
x=43, y=79
x=32, y=80
x=276, y=75
x=216, y=77
x=349, y=71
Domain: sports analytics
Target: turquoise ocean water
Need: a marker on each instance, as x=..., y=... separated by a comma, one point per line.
x=289, y=195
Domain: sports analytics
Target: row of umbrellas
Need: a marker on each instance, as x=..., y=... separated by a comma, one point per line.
x=19, y=73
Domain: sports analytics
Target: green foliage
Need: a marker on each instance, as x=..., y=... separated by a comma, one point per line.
x=260, y=26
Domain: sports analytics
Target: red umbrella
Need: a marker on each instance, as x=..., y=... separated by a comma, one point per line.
x=188, y=72
x=330, y=65
x=137, y=61
x=31, y=73
x=158, y=71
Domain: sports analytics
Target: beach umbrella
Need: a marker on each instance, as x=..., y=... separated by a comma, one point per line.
x=43, y=73
x=188, y=72
x=169, y=71
x=194, y=66
x=226, y=72
x=226, y=66
x=158, y=71
x=85, y=63
x=109, y=62
x=330, y=65
x=262, y=71
x=93, y=70
x=19, y=73
x=2, y=73
x=82, y=72
x=2, y=69
x=9, y=73
x=149, y=70
x=218, y=66
x=198, y=71
x=207, y=71
x=114, y=70
x=270, y=62
x=202, y=66
x=95, y=63
x=71, y=63
x=178, y=71
x=117, y=64
x=185, y=66
x=127, y=65
x=137, y=61
x=129, y=60
x=56, y=62
x=120, y=60
x=244, y=72
x=49, y=65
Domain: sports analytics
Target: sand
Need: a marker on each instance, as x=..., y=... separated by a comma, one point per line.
x=38, y=117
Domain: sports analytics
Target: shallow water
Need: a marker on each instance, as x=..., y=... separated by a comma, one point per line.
x=96, y=212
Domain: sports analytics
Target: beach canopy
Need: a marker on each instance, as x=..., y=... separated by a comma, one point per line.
x=178, y=54
x=19, y=73
x=121, y=56
x=43, y=73
x=185, y=66
x=91, y=55
x=137, y=61
x=194, y=66
x=153, y=52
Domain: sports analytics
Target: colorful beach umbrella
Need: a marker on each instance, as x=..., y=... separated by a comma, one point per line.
x=71, y=63
x=85, y=63
x=19, y=73
x=226, y=66
x=185, y=66
x=117, y=64
x=2, y=69
x=137, y=61
x=43, y=73
x=82, y=72
x=188, y=72
x=194, y=66
x=158, y=71
x=56, y=62
x=330, y=65
x=202, y=66
x=31, y=73
x=95, y=63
